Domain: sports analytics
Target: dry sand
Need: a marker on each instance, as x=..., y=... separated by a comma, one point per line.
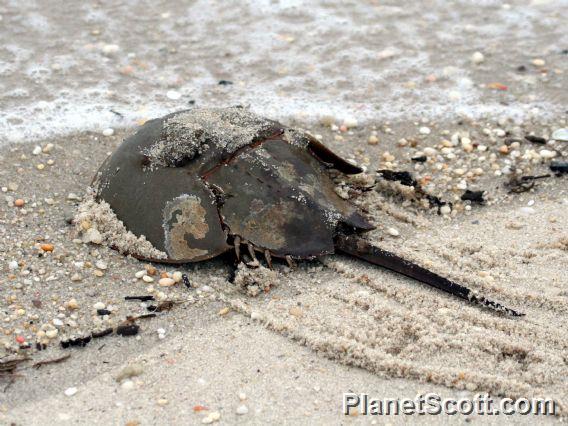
x=327, y=327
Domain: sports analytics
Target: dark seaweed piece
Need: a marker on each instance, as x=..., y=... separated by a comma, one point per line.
x=405, y=178
x=127, y=330
x=420, y=159
x=103, y=312
x=78, y=341
x=519, y=184
x=52, y=361
x=140, y=298
x=186, y=281
x=131, y=319
x=473, y=196
x=162, y=307
x=225, y=82
x=559, y=167
x=9, y=365
x=536, y=139
x=99, y=334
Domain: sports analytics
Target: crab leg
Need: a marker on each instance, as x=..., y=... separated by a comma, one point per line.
x=254, y=263
x=290, y=262
x=362, y=249
x=251, y=251
x=237, y=244
x=268, y=258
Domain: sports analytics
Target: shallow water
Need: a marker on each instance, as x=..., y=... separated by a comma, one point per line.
x=66, y=66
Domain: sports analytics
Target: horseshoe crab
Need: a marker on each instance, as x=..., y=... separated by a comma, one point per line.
x=201, y=182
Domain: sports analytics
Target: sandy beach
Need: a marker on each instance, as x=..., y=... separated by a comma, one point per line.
x=474, y=92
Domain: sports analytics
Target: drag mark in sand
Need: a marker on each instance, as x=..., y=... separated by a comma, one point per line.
x=361, y=316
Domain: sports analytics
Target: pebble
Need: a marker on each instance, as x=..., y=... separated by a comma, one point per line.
x=147, y=279
x=127, y=385
x=539, y=62
x=73, y=197
x=224, y=311
x=57, y=322
x=72, y=304
x=19, y=202
x=70, y=391
x=255, y=315
x=162, y=401
x=140, y=274
x=350, y=122
x=211, y=417
x=477, y=58
x=393, y=232
x=242, y=396
x=545, y=153
x=373, y=140
x=110, y=48
x=177, y=276
x=166, y=282
x=108, y=131
x=51, y=334
x=424, y=130
x=101, y=265
x=242, y=409
x=429, y=151
x=99, y=305
x=173, y=95
x=37, y=150
x=560, y=135
x=151, y=270
x=76, y=277
x=13, y=265
x=445, y=209
x=47, y=247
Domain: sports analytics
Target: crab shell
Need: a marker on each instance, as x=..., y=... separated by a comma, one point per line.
x=274, y=193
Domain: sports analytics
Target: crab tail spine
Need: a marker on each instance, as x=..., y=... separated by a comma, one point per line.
x=362, y=249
